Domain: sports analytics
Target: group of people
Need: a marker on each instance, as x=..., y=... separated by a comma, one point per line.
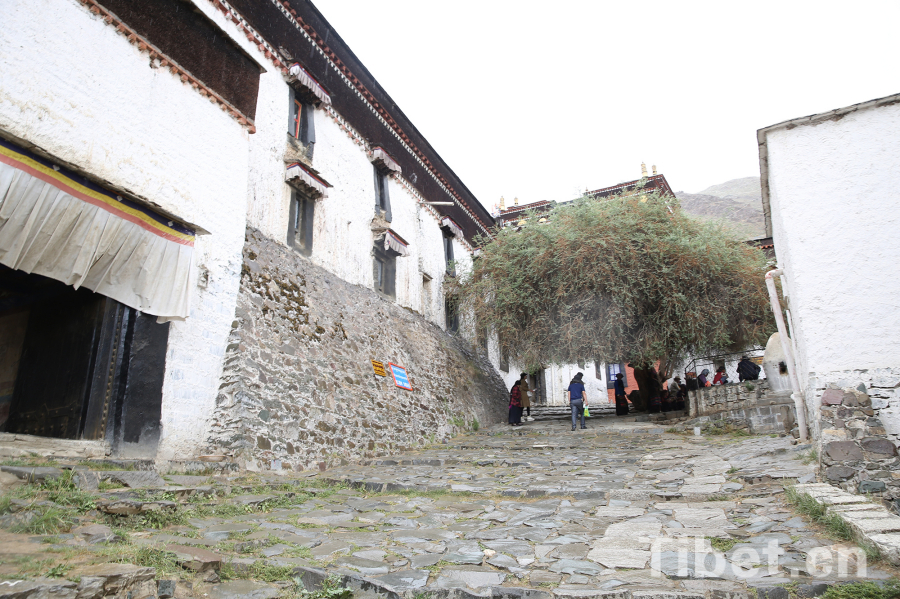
x=660, y=397
x=747, y=371
x=520, y=401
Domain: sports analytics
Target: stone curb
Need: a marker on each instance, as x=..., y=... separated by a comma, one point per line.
x=370, y=588
x=870, y=522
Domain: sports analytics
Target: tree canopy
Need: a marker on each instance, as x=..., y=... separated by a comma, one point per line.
x=630, y=279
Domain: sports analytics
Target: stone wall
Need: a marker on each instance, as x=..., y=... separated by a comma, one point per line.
x=854, y=448
x=750, y=405
x=299, y=389
x=720, y=398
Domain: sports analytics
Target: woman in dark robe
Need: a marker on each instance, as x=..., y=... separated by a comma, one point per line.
x=515, y=405
x=619, y=392
x=655, y=403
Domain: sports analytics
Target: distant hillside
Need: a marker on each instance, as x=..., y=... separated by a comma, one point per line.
x=738, y=201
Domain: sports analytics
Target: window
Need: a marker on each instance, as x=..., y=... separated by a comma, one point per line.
x=448, y=254
x=382, y=198
x=451, y=314
x=384, y=270
x=612, y=370
x=300, y=230
x=598, y=369
x=300, y=122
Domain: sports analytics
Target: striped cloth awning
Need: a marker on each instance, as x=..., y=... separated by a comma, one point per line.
x=384, y=160
x=448, y=223
x=301, y=76
x=303, y=177
x=394, y=242
x=56, y=223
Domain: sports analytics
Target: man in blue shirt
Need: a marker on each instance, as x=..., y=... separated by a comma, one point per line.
x=577, y=399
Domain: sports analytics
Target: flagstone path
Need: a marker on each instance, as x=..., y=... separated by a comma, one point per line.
x=622, y=508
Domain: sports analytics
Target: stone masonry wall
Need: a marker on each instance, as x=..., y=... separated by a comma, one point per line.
x=299, y=389
x=750, y=405
x=856, y=450
x=720, y=398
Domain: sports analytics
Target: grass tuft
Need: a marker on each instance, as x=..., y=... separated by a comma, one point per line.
x=835, y=526
x=723, y=545
x=864, y=590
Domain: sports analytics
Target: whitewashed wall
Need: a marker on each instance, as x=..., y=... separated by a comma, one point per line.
x=557, y=378
x=74, y=87
x=834, y=192
x=342, y=235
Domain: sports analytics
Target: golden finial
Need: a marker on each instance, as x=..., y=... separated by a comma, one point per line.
x=516, y=201
x=643, y=170
x=502, y=203
x=654, y=170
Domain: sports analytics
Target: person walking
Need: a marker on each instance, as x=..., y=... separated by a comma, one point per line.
x=619, y=393
x=577, y=399
x=515, y=404
x=526, y=396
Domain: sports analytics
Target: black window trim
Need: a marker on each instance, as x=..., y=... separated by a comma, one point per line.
x=382, y=193
x=388, y=261
x=301, y=223
x=448, y=253
x=301, y=124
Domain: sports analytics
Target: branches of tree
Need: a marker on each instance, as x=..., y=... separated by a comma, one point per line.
x=628, y=279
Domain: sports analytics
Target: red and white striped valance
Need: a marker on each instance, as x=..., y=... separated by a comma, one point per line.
x=394, y=242
x=448, y=223
x=301, y=76
x=306, y=180
x=384, y=160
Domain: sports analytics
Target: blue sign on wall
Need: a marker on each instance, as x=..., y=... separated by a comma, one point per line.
x=400, y=378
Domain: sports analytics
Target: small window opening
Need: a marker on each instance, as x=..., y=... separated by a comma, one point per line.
x=384, y=270
x=451, y=314
x=448, y=254
x=612, y=370
x=300, y=121
x=302, y=216
x=504, y=356
x=382, y=196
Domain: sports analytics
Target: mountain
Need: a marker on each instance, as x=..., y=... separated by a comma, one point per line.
x=738, y=201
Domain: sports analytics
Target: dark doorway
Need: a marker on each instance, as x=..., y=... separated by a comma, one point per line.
x=75, y=364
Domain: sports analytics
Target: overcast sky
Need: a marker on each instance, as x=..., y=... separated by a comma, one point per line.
x=541, y=100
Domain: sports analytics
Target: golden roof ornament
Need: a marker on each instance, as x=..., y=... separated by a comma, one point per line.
x=643, y=170
x=654, y=170
x=516, y=201
x=502, y=203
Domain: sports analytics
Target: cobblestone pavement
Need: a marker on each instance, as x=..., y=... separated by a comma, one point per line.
x=621, y=507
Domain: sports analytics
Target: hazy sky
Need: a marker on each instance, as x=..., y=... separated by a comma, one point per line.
x=542, y=99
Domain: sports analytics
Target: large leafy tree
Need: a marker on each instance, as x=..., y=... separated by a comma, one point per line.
x=623, y=279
